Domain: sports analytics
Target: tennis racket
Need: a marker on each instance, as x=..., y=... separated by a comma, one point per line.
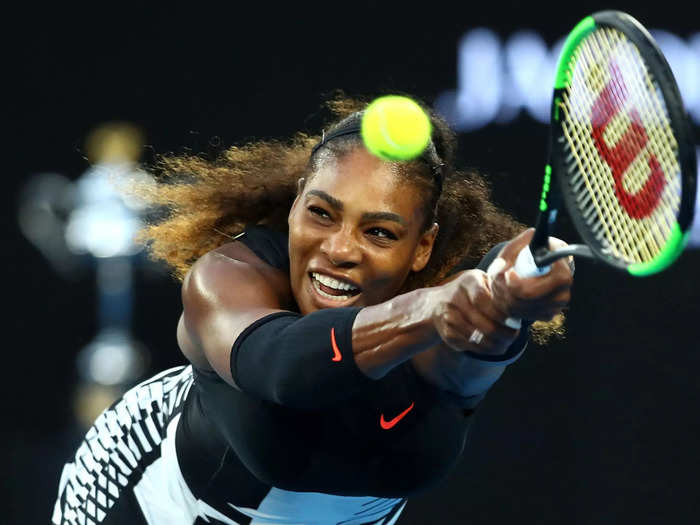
x=621, y=153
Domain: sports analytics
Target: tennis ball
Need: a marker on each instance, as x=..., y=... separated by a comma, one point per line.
x=395, y=128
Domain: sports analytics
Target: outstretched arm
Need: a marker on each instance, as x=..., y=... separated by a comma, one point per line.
x=237, y=317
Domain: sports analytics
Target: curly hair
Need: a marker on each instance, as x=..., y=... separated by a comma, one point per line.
x=206, y=202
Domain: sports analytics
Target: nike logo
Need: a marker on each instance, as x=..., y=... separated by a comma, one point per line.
x=337, y=356
x=386, y=425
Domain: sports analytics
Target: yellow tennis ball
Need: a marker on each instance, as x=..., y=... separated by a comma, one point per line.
x=395, y=128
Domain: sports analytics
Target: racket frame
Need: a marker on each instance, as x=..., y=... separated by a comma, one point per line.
x=556, y=186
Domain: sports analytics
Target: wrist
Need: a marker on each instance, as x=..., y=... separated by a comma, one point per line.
x=456, y=373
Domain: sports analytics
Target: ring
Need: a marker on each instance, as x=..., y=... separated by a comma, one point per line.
x=476, y=337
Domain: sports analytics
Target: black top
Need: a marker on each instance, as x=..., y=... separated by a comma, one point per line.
x=232, y=447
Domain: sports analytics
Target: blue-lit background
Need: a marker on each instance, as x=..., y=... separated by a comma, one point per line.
x=600, y=428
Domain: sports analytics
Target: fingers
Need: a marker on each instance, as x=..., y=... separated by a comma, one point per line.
x=534, y=298
x=495, y=333
x=472, y=321
x=531, y=288
x=544, y=308
x=485, y=314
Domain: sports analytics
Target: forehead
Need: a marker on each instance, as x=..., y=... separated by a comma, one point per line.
x=364, y=182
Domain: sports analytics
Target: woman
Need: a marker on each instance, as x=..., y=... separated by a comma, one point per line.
x=338, y=346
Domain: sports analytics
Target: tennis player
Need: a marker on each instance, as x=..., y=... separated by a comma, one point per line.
x=341, y=330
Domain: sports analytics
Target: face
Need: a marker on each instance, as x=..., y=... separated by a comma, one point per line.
x=354, y=234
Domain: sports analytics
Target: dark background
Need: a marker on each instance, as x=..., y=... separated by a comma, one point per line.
x=600, y=428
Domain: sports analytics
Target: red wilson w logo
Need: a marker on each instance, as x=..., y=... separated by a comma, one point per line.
x=619, y=157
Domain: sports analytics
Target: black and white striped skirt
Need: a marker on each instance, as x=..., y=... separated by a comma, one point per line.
x=106, y=481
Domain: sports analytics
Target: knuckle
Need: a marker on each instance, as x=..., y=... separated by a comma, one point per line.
x=481, y=296
x=479, y=291
x=467, y=276
x=452, y=313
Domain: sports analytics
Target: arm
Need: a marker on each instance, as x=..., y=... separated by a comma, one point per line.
x=236, y=315
x=236, y=312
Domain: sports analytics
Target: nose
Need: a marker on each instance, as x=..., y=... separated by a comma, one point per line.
x=341, y=249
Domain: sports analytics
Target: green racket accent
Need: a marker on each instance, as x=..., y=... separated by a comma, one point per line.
x=675, y=245
x=545, y=187
x=557, y=103
x=583, y=28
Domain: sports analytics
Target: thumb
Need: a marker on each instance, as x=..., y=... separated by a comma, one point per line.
x=510, y=251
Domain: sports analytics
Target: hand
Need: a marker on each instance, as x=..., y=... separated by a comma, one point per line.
x=533, y=298
x=466, y=316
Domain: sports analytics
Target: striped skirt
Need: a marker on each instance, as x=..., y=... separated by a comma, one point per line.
x=105, y=482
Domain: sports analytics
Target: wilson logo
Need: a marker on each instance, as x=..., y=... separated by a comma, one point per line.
x=631, y=143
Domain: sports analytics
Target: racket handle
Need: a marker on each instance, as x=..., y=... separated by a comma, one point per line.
x=525, y=267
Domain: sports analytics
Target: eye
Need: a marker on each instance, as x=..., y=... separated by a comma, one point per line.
x=382, y=233
x=319, y=212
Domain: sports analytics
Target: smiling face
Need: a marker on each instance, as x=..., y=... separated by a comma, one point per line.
x=355, y=234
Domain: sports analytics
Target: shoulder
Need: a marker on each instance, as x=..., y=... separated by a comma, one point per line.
x=233, y=273
x=259, y=251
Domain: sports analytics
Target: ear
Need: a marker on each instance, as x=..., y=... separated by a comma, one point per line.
x=425, y=248
x=300, y=188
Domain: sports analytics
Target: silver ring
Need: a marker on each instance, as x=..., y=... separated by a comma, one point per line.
x=476, y=337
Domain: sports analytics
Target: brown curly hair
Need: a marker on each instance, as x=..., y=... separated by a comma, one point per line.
x=204, y=202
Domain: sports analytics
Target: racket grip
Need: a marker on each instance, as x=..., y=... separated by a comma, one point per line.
x=525, y=267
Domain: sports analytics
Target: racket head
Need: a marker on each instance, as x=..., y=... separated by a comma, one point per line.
x=622, y=153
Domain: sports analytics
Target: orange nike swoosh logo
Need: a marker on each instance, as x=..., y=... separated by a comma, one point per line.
x=337, y=356
x=386, y=425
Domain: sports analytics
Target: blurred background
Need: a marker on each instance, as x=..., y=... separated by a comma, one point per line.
x=599, y=428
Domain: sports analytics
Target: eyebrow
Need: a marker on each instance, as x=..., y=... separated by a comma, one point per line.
x=366, y=216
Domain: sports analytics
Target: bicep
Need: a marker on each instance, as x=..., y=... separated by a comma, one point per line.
x=222, y=295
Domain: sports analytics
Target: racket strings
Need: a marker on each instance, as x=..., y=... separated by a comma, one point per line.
x=621, y=154
x=614, y=131
x=618, y=129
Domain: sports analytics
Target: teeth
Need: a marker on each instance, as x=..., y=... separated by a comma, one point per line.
x=333, y=283
x=317, y=286
x=329, y=296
